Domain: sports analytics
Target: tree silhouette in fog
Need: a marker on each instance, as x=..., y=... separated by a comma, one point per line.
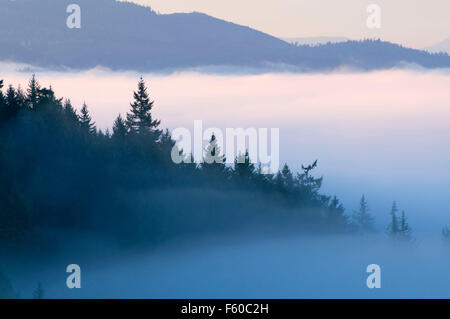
x=60, y=172
x=85, y=119
x=139, y=119
x=363, y=218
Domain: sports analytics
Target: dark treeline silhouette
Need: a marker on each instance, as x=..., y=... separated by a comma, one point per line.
x=58, y=171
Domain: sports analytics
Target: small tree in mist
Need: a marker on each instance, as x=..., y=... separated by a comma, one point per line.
x=213, y=159
x=39, y=292
x=393, y=228
x=446, y=233
x=404, y=229
x=363, y=218
x=6, y=287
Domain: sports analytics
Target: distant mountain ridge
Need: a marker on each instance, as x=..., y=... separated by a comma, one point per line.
x=443, y=46
x=123, y=35
x=315, y=40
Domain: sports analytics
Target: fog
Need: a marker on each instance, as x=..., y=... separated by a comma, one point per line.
x=269, y=267
x=383, y=134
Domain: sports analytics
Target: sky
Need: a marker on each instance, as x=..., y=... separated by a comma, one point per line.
x=414, y=23
x=376, y=133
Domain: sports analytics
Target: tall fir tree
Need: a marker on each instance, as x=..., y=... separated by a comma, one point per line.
x=139, y=119
x=85, y=119
x=363, y=218
x=32, y=96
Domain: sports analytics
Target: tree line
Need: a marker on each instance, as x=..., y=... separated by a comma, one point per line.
x=59, y=171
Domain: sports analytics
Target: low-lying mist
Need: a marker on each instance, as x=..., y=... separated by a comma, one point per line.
x=274, y=266
x=383, y=134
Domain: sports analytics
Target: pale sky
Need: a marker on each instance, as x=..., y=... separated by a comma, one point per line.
x=414, y=23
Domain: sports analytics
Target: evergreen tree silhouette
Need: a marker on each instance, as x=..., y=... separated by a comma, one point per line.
x=6, y=287
x=56, y=147
x=39, y=292
x=446, y=233
x=13, y=104
x=140, y=120
x=243, y=167
x=404, y=229
x=119, y=128
x=336, y=215
x=85, y=119
x=362, y=217
x=288, y=178
x=2, y=103
x=32, y=96
x=394, y=228
x=69, y=112
x=309, y=186
x=47, y=103
x=213, y=159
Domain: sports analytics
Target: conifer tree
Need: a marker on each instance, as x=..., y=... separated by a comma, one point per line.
x=394, y=228
x=336, y=214
x=288, y=178
x=446, y=233
x=32, y=95
x=119, y=128
x=140, y=120
x=69, y=112
x=6, y=287
x=243, y=166
x=47, y=102
x=405, y=230
x=213, y=159
x=12, y=102
x=86, y=123
x=307, y=182
x=167, y=144
x=1, y=92
x=39, y=292
x=2, y=102
x=362, y=217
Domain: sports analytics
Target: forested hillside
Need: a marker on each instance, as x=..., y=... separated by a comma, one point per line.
x=59, y=172
x=120, y=35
